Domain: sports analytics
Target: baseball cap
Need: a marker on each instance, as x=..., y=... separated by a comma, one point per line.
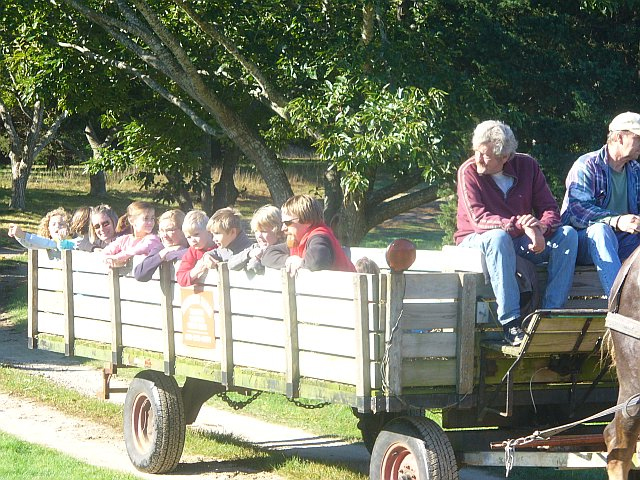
x=626, y=121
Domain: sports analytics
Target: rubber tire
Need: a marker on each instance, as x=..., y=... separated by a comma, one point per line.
x=371, y=424
x=415, y=448
x=154, y=422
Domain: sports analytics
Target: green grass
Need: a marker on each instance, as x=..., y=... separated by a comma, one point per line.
x=20, y=460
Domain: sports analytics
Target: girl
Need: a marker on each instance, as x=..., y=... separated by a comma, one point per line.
x=53, y=230
x=142, y=219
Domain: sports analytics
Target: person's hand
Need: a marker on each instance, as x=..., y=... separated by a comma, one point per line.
x=15, y=231
x=167, y=250
x=209, y=262
x=538, y=243
x=628, y=223
x=257, y=252
x=293, y=264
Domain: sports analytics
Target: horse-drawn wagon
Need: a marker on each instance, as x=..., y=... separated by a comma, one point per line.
x=391, y=346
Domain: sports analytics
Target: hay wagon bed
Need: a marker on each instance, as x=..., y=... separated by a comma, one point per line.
x=391, y=346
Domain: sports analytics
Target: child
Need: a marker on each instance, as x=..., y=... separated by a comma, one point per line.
x=226, y=228
x=52, y=231
x=79, y=229
x=366, y=265
x=267, y=228
x=192, y=266
x=174, y=241
x=102, y=228
x=142, y=219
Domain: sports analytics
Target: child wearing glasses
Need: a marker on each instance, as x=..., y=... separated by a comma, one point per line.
x=266, y=224
x=200, y=241
x=311, y=244
x=142, y=218
x=174, y=242
x=226, y=228
x=102, y=227
x=52, y=231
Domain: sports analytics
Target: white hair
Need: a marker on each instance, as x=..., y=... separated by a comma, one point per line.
x=499, y=134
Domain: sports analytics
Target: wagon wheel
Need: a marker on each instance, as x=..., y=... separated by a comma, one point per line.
x=412, y=448
x=370, y=425
x=154, y=422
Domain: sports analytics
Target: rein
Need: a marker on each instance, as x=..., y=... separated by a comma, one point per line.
x=511, y=444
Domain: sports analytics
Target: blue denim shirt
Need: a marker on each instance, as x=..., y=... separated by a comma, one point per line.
x=589, y=190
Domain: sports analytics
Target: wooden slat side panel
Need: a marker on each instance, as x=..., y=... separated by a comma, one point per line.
x=423, y=316
x=325, y=311
x=432, y=285
x=325, y=283
x=428, y=372
x=256, y=303
x=93, y=284
x=259, y=356
x=89, y=329
x=33, y=298
x=182, y=350
x=267, y=331
x=143, y=314
x=435, y=344
x=142, y=337
x=465, y=334
x=89, y=262
x=50, y=279
x=50, y=301
x=323, y=339
x=131, y=289
x=269, y=281
x=51, y=323
x=328, y=367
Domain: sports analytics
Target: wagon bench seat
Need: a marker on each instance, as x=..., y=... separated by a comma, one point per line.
x=550, y=332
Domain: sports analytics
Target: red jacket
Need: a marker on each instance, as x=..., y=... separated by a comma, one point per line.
x=187, y=263
x=482, y=206
x=340, y=260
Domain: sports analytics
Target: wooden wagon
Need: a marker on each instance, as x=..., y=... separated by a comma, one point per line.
x=391, y=346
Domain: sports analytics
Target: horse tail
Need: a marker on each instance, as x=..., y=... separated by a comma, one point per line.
x=608, y=352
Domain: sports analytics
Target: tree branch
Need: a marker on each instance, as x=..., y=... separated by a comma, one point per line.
x=50, y=135
x=150, y=82
x=401, y=185
x=16, y=143
x=276, y=101
x=389, y=209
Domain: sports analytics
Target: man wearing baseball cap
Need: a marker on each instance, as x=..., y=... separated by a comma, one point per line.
x=602, y=201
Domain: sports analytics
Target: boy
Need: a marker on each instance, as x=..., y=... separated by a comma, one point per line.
x=193, y=267
x=225, y=226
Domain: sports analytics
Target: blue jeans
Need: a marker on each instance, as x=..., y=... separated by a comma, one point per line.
x=500, y=251
x=599, y=245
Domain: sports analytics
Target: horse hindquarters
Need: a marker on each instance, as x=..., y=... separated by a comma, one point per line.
x=620, y=437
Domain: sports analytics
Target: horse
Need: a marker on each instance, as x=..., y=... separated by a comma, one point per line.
x=623, y=341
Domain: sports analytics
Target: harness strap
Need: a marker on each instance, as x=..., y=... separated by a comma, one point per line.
x=623, y=324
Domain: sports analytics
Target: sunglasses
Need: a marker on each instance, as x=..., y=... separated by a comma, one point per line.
x=101, y=225
x=287, y=223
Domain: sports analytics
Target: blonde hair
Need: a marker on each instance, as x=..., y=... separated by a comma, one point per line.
x=194, y=221
x=225, y=219
x=175, y=216
x=80, y=222
x=305, y=208
x=43, y=227
x=267, y=218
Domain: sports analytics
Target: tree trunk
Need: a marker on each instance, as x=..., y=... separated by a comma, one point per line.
x=98, y=184
x=225, y=192
x=18, y=187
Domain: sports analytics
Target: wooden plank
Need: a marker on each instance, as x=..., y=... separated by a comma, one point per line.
x=257, y=303
x=325, y=311
x=267, y=331
x=32, y=301
x=142, y=337
x=325, y=283
x=85, y=306
x=143, y=314
x=593, y=303
x=201, y=353
x=328, y=367
x=562, y=342
x=52, y=323
x=270, y=281
x=425, y=316
x=465, y=346
x=569, y=324
x=116, y=319
x=259, y=356
x=429, y=373
x=135, y=291
x=47, y=261
x=435, y=344
x=393, y=332
x=361, y=340
x=378, y=341
x=168, y=333
x=89, y=329
x=463, y=259
x=226, y=331
x=50, y=279
x=89, y=262
x=50, y=301
x=431, y=285
x=93, y=284
x=67, y=292
x=291, y=335
x=324, y=339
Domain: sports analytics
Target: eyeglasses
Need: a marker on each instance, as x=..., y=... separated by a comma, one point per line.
x=167, y=230
x=98, y=226
x=287, y=223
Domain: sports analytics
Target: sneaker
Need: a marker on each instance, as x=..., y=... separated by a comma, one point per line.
x=513, y=334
